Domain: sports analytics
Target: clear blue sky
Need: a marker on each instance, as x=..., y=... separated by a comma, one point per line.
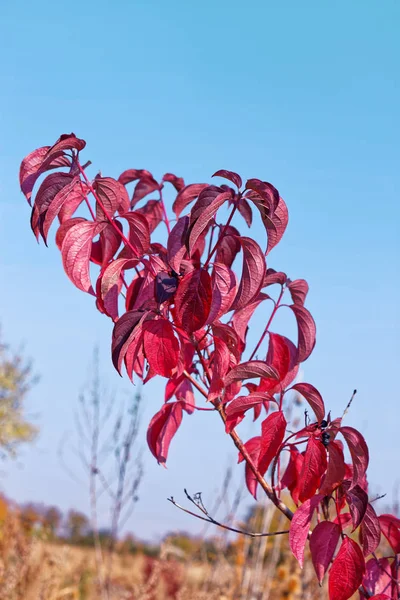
x=305, y=95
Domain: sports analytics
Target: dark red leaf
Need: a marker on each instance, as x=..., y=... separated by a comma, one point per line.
x=314, y=466
x=76, y=249
x=346, y=573
x=357, y=501
x=276, y=226
x=266, y=197
x=162, y=429
x=291, y=476
x=166, y=286
x=245, y=210
x=306, y=331
x=336, y=469
x=31, y=169
x=186, y=196
x=112, y=195
x=272, y=433
x=273, y=277
x=48, y=190
x=230, y=175
x=224, y=288
x=390, y=527
x=124, y=332
x=161, y=347
x=177, y=182
x=106, y=247
x=300, y=526
x=176, y=243
x=64, y=204
x=359, y=452
x=323, y=542
x=193, y=300
x=370, y=531
x=282, y=356
x=253, y=272
x=313, y=397
x=298, y=290
x=250, y=369
x=230, y=337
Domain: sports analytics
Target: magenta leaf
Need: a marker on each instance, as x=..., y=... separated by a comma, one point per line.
x=145, y=186
x=125, y=332
x=224, y=289
x=377, y=578
x=272, y=433
x=323, y=542
x=230, y=175
x=357, y=500
x=242, y=316
x=306, y=331
x=313, y=397
x=139, y=232
x=177, y=182
x=336, y=469
x=220, y=365
x=176, y=248
x=203, y=213
x=153, y=212
x=64, y=204
x=390, y=527
x=300, y=526
x=346, y=573
x=133, y=175
x=229, y=247
x=110, y=284
x=253, y=273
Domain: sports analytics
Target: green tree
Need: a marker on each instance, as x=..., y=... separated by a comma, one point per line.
x=77, y=525
x=15, y=382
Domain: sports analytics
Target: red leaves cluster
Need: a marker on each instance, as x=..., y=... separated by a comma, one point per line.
x=182, y=310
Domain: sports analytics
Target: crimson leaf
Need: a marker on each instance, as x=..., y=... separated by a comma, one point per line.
x=313, y=397
x=347, y=571
x=300, y=526
x=193, y=300
x=323, y=542
x=306, y=331
x=272, y=433
x=253, y=272
x=359, y=452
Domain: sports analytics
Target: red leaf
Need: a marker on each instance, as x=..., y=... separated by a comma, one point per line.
x=276, y=226
x=370, y=531
x=230, y=337
x=314, y=467
x=139, y=232
x=300, y=526
x=220, y=365
x=193, y=300
x=272, y=433
x=205, y=212
x=273, y=277
x=253, y=448
x=390, y=527
x=291, y=476
x=162, y=429
x=313, y=397
x=242, y=316
x=176, y=243
x=64, y=204
x=48, y=191
x=323, y=542
x=112, y=194
x=347, y=571
x=153, y=212
x=336, y=469
x=32, y=167
x=377, y=576
x=145, y=186
x=359, y=452
x=224, y=288
x=110, y=283
x=344, y=521
x=230, y=175
x=76, y=249
x=250, y=369
x=306, y=331
x=161, y=347
x=133, y=175
x=236, y=408
x=186, y=196
x=253, y=272
x=357, y=501
x=229, y=247
x=282, y=355
x=177, y=182
x=266, y=196
x=298, y=290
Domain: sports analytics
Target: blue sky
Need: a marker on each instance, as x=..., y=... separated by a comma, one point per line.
x=305, y=95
